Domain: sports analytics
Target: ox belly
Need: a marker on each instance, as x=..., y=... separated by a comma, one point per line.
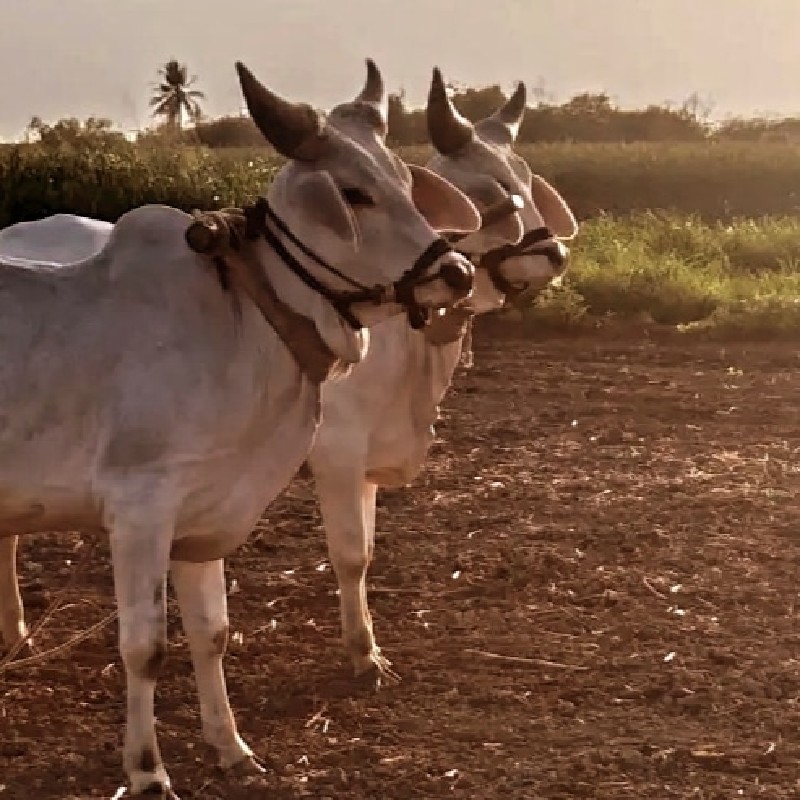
x=47, y=510
x=219, y=499
x=213, y=523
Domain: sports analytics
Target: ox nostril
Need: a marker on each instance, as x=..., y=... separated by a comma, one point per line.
x=558, y=255
x=458, y=274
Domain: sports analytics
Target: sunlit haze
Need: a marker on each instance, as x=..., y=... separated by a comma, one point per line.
x=96, y=57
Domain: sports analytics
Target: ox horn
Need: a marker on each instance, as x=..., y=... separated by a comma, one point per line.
x=374, y=93
x=293, y=129
x=449, y=131
x=374, y=90
x=510, y=114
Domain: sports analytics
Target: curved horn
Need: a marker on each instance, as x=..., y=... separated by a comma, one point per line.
x=374, y=92
x=449, y=131
x=512, y=111
x=293, y=129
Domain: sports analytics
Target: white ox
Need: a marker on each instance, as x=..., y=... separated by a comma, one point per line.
x=138, y=399
x=51, y=242
x=378, y=421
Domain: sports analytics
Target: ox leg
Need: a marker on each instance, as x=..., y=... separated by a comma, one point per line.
x=347, y=503
x=140, y=558
x=200, y=589
x=12, y=614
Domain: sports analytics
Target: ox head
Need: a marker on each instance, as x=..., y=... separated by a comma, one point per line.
x=523, y=251
x=348, y=197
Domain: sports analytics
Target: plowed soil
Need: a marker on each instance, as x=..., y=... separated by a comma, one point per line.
x=591, y=592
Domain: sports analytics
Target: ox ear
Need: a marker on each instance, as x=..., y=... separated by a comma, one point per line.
x=553, y=208
x=323, y=207
x=443, y=206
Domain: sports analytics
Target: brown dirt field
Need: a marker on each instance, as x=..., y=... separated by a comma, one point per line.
x=616, y=513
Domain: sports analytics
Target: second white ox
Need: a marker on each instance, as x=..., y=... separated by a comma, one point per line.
x=137, y=398
x=377, y=423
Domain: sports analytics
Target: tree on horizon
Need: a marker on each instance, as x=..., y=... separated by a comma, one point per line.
x=174, y=95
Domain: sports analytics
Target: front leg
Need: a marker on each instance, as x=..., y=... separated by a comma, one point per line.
x=12, y=614
x=347, y=503
x=140, y=548
x=200, y=589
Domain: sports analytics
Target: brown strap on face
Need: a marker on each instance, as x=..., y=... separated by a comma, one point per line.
x=221, y=235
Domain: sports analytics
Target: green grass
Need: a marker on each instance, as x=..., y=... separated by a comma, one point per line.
x=678, y=270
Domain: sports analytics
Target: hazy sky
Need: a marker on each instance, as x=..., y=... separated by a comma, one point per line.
x=99, y=57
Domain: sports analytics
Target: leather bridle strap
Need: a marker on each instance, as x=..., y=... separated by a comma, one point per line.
x=523, y=247
x=409, y=280
x=527, y=245
x=256, y=216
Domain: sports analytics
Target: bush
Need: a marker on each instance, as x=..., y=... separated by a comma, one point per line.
x=755, y=317
x=678, y=270
x=558, y=307
x=659, y=236
x=714, y=181
x=104, y=184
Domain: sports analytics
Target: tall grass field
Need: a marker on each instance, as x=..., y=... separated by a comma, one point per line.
x=685, y=234
x=733, y=277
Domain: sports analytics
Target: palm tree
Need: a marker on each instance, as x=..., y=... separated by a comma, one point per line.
x=174, y=95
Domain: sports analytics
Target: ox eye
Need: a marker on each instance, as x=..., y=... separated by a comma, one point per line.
x=357, y=197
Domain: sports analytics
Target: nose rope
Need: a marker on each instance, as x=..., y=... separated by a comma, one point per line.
x=524, y=247
x=418, y=316
x=492, y=259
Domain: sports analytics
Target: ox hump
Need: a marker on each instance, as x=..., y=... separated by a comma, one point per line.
x=150, y=225
x=149, y=238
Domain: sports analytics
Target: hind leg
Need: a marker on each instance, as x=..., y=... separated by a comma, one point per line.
x=200, y=589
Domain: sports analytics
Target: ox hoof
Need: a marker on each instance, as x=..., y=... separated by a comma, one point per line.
x=250, y=765
x=250, y=771
x=376, y=671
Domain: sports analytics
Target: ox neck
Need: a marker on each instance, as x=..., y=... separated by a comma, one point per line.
x=347, y=344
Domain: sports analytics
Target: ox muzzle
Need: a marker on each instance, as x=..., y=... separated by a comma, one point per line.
x=536, y=242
